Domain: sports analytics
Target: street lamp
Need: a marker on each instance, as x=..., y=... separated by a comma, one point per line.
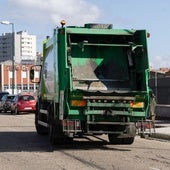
x=12, y=52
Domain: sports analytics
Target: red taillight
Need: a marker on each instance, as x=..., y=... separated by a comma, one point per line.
x=71, y=125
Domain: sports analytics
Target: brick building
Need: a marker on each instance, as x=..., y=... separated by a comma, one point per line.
x=22, y=82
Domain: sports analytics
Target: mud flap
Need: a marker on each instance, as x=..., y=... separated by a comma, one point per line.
x=57, y=136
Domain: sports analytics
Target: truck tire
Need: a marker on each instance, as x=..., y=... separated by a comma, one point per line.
x=54, y=131
x=41, y=130
x=114, y=139
x=128, y=141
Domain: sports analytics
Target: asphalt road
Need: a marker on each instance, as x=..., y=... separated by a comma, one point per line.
x=21, y=148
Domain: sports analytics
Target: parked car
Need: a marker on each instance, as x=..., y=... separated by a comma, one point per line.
x=23, y=103
x=7, y=102
x=2, y=101
x=2, y=94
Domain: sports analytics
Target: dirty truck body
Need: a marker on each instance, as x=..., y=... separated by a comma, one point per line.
x=94, y=80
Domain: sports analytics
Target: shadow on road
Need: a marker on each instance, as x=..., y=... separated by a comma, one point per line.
x=20, y=113
x=17, y=137
x=31, y=142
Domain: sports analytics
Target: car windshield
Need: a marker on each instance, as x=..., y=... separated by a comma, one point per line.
x=26, y=98
x=4, y=97
x=10, y=98
x=2, y=94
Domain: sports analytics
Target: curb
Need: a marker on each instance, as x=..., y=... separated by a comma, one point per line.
x=160, y=136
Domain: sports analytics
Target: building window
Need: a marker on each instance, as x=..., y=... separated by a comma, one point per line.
x=31, y=87
x=6, y=87
x=19, y=86
x=37, y=86
x=25, y=87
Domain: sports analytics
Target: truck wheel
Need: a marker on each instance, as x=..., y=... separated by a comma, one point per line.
x=128, y=141
x=113, y=139
x=54, y=130
x=41, y=130
x=51, y=128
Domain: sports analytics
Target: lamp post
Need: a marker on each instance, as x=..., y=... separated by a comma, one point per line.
x=12, y=52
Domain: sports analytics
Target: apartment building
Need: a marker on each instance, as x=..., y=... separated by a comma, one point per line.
x=17, y=48
x=22, y=46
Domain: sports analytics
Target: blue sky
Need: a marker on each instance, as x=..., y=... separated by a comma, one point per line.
x=40, y=17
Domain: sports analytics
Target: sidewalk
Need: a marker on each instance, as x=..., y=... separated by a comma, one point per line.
x=162, y=130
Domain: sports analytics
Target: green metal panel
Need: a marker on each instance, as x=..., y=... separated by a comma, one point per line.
x=116, y=112
x=81, y=30
x=114, y=61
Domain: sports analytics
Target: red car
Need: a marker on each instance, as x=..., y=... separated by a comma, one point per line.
x=23, y=103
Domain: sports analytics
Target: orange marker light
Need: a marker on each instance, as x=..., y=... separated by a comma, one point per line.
x=137, y=105
x=148, y=35
x=63, y=22
x=79, y=103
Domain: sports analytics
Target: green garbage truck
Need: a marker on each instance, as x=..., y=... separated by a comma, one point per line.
x=93, y=80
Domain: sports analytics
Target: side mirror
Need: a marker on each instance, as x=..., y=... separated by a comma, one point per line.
x=32, y=74
x=35, y=73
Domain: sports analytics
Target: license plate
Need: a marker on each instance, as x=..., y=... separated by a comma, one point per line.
x=27, y=108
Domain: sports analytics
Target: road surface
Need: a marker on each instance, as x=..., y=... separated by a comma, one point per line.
x=21, y=148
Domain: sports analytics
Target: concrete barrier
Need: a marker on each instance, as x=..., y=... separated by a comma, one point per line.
x=160, y=136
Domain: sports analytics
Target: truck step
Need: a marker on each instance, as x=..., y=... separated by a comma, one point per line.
x=43, y=123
